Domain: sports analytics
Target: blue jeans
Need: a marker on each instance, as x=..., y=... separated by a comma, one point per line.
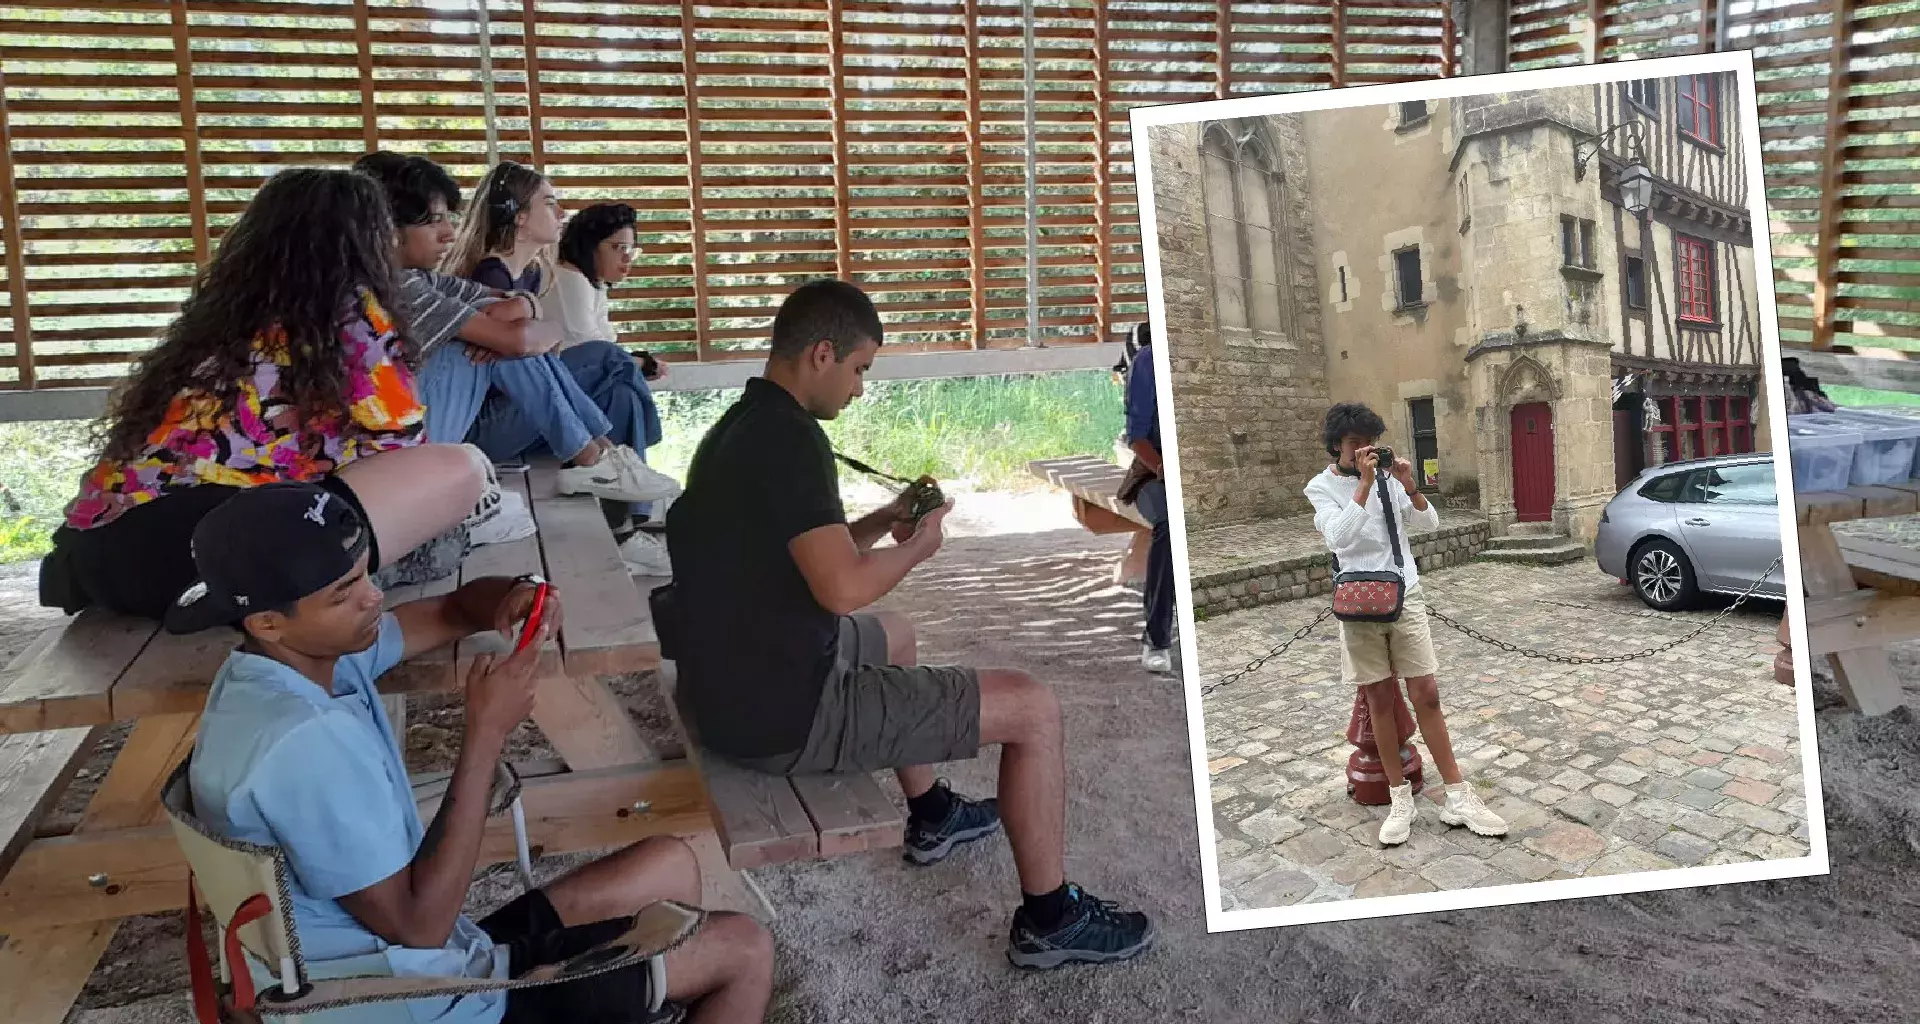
x=539, y=389
x=1152, y=503
x=608, y=378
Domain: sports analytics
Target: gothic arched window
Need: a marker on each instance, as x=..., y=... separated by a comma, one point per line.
x=1244, y=233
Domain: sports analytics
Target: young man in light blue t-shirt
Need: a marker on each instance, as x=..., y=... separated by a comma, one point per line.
x=295, y=751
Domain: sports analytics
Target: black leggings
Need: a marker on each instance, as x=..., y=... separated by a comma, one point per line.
x=139, y=563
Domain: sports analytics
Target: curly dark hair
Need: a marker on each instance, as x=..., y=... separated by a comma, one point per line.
x=411, y=184
x=587, y=229
x=1350, y=418
x=825, y=310
x=309, y=240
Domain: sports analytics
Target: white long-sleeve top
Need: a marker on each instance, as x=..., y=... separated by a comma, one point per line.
x=1358, y=536
x=579, y=309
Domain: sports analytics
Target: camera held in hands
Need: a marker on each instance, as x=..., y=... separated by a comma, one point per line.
x=925, y=496
x=1383, y=458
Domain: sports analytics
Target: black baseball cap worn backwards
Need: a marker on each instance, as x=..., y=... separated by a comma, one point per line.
x=267, y=547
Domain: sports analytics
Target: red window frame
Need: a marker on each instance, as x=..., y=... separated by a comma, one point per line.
x=1698, y=113
x=1715, y=425
x=1693, y=279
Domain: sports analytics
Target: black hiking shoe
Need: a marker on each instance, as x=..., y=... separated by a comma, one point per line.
x=1094, y=931
x=967, y=820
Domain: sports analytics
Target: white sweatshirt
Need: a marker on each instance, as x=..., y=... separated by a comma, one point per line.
x=1358, y=536
x=579, y=309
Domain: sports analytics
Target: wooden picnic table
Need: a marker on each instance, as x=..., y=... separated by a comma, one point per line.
x=1091, y=481
x=62, y=895
x=1861, y=594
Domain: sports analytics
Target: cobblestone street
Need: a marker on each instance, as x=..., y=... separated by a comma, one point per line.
x=1686, y=758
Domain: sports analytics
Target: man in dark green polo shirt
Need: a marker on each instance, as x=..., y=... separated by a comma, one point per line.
x=784, y=674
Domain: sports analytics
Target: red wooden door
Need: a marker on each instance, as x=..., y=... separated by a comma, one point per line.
x=1533, y=462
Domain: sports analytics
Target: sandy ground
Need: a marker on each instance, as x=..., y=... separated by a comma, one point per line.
x=870, y=939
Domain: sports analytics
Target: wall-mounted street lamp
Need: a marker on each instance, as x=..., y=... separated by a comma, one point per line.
x=1636, y=182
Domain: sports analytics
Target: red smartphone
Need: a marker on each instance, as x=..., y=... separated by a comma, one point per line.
x=534, y=617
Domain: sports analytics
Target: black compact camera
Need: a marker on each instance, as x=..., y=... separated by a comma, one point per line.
x=1383, y=456
x=925, y=497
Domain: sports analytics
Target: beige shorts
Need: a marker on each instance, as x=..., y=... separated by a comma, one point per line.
x=1373, y=651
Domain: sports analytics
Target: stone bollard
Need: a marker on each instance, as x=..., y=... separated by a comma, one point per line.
x=1366, y=783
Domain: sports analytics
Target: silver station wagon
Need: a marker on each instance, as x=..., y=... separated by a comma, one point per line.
x=1700, y=525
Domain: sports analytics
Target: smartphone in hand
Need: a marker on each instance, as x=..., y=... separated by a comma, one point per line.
x=535, y=616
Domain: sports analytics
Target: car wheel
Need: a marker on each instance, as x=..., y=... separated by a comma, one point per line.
x=1662, y=577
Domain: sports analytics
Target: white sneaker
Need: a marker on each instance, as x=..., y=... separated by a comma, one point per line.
x=606, y=480
x=646, y=555
x=1463, y=807
x=510, y=522
x=655, y=485
x=1399, y=823
x=1158, y=660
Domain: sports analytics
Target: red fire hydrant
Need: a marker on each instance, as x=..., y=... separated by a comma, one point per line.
x=1366, y=783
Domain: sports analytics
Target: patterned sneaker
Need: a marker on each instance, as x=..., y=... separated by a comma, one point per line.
x=606, y=480
x=1399, y=823
x=967, y=820
x=1463, y=807
x=1094, y=931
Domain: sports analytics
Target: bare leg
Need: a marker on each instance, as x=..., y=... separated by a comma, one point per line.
x=1022, y=714
x=903, y=648
x=413, y=495
x=725, y=970
x=1386, y=735
x=1425, y=695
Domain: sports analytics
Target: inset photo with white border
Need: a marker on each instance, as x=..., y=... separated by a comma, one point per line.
x=1535, y=311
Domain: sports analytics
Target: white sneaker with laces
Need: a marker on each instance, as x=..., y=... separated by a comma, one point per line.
x=1158, y=660
x=1463, y=807
x=656, y=485
x=606, y=480
x=646, y=555
x=510, y=522
x=1399, y=823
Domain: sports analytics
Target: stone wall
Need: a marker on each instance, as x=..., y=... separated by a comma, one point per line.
x=1240, y=410
x=1289, y=579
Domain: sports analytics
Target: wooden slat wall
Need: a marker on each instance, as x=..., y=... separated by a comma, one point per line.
x=768, y=141
x=1844, y=205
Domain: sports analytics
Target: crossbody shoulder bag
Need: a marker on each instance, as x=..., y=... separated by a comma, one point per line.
x=1373, y=596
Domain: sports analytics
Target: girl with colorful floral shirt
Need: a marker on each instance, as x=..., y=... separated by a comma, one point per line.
x=284, y=364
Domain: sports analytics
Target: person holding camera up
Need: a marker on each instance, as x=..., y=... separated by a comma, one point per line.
x=1349, y=513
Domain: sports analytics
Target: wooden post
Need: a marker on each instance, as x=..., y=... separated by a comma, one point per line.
x=1449, y=40
x=842, y=174
x=1103, y=178
x=1597, y=12
x=530, y=47
x=696, y=216
x=1338, y=53
x=976, y=184
x=1833, y=171
x=1223, y=42
x=363, y=44
x=190, y=133
x=11, y=238
x=1709, y=13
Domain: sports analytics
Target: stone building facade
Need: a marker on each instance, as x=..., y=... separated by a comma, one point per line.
x=1473, y=278
x=1246, y=390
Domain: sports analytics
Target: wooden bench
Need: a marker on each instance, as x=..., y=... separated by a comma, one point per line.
x=1861, y=594
x=63, y=893
x=766, y=819
x=1091, y=482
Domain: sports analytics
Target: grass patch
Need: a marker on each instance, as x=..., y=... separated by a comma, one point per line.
x=979, y=432
x=40, y=467
x=1843, y=396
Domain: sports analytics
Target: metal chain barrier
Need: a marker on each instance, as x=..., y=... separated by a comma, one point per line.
x=1563, y=659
